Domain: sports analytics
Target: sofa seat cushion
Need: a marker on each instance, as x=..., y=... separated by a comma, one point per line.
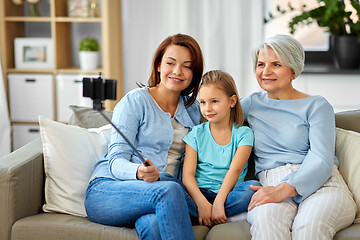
x=230, y=231
x=241, y=230
x=350, y=233
x=57, y=226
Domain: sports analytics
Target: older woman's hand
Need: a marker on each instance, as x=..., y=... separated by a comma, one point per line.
x=271, y=194
x=148, y=173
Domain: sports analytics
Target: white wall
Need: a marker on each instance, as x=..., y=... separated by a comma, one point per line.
x=5, y=130
x=226, y=30
x=341, y=91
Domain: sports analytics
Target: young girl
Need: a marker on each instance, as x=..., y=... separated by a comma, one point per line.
x=217, y=152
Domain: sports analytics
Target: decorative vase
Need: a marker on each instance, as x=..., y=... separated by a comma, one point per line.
x=88, y=60
x=34, y=10
x=346, y=51
x=94, y=10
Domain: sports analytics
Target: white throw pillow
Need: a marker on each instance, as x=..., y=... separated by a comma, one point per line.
x=348, y=152
x=70, y=153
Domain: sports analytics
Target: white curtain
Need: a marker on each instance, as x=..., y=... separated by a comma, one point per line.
x=5, y=128
x=226, y=30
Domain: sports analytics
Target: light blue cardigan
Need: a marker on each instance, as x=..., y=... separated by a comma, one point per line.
x=149, y=128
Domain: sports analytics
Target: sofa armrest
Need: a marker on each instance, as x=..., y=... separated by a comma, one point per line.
x=21, y=185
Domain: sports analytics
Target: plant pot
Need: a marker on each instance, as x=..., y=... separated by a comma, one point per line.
x=346, y=50
x=88, y=60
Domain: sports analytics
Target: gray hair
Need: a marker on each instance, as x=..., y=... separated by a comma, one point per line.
x=288, y=50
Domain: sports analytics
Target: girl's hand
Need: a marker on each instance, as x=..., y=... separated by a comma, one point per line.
x=148, y=173
x=204, y=211
x=271, y=194
x=218, y=213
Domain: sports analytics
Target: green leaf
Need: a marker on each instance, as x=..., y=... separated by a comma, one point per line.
x=356, y=5
x=330, y=14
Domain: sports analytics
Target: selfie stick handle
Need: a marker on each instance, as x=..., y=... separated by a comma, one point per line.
x=125, y=138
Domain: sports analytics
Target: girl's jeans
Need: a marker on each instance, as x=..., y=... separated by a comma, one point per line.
x=236, y=202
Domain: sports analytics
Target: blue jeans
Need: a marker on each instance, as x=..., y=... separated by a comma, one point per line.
x=236, y=202
x=158, y=209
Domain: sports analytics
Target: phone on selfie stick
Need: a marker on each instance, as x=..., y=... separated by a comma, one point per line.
x=100, y=89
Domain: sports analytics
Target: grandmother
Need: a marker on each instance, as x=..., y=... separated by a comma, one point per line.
x=303, y=194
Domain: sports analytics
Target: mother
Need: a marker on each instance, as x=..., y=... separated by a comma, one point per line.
x=303, y=195
x=122, y=190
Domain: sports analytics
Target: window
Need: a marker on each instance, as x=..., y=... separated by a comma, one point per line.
x=314, y=39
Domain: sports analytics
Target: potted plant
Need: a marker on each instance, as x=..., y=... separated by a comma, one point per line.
x=335, y=18
x=88, y=54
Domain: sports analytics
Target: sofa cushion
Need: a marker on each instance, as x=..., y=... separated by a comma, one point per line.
x=70, y=153
x=350, y=233
x=348, y=152
x=87, y=117
x=62, y=226
x=232, y=230
x=56, y=226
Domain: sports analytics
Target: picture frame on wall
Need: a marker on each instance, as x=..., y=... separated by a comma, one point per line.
x=34, y=53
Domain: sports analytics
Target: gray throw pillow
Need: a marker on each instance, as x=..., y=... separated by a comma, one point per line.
x=86, y=117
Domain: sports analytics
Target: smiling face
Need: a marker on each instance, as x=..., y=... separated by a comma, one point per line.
x=215, y=105
x=272, y=76
x=175, y=68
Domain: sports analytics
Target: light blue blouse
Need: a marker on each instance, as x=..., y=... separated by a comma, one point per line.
x=214, y=160
x=148, y=127
x=300, y=131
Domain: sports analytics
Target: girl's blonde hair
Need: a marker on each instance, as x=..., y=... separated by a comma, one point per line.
x=226, y=83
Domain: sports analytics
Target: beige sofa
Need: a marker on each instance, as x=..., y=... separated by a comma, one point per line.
x=22, y=197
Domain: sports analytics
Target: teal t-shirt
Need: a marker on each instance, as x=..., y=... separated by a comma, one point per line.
x=213, y=159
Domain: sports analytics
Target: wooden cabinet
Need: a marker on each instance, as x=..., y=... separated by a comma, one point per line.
x=13, y=21
x=55, y=24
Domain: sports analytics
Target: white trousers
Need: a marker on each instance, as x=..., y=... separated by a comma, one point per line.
x=328, y=210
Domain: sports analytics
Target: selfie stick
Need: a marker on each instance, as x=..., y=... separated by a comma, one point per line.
x=91, y=88
x=125, y=138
